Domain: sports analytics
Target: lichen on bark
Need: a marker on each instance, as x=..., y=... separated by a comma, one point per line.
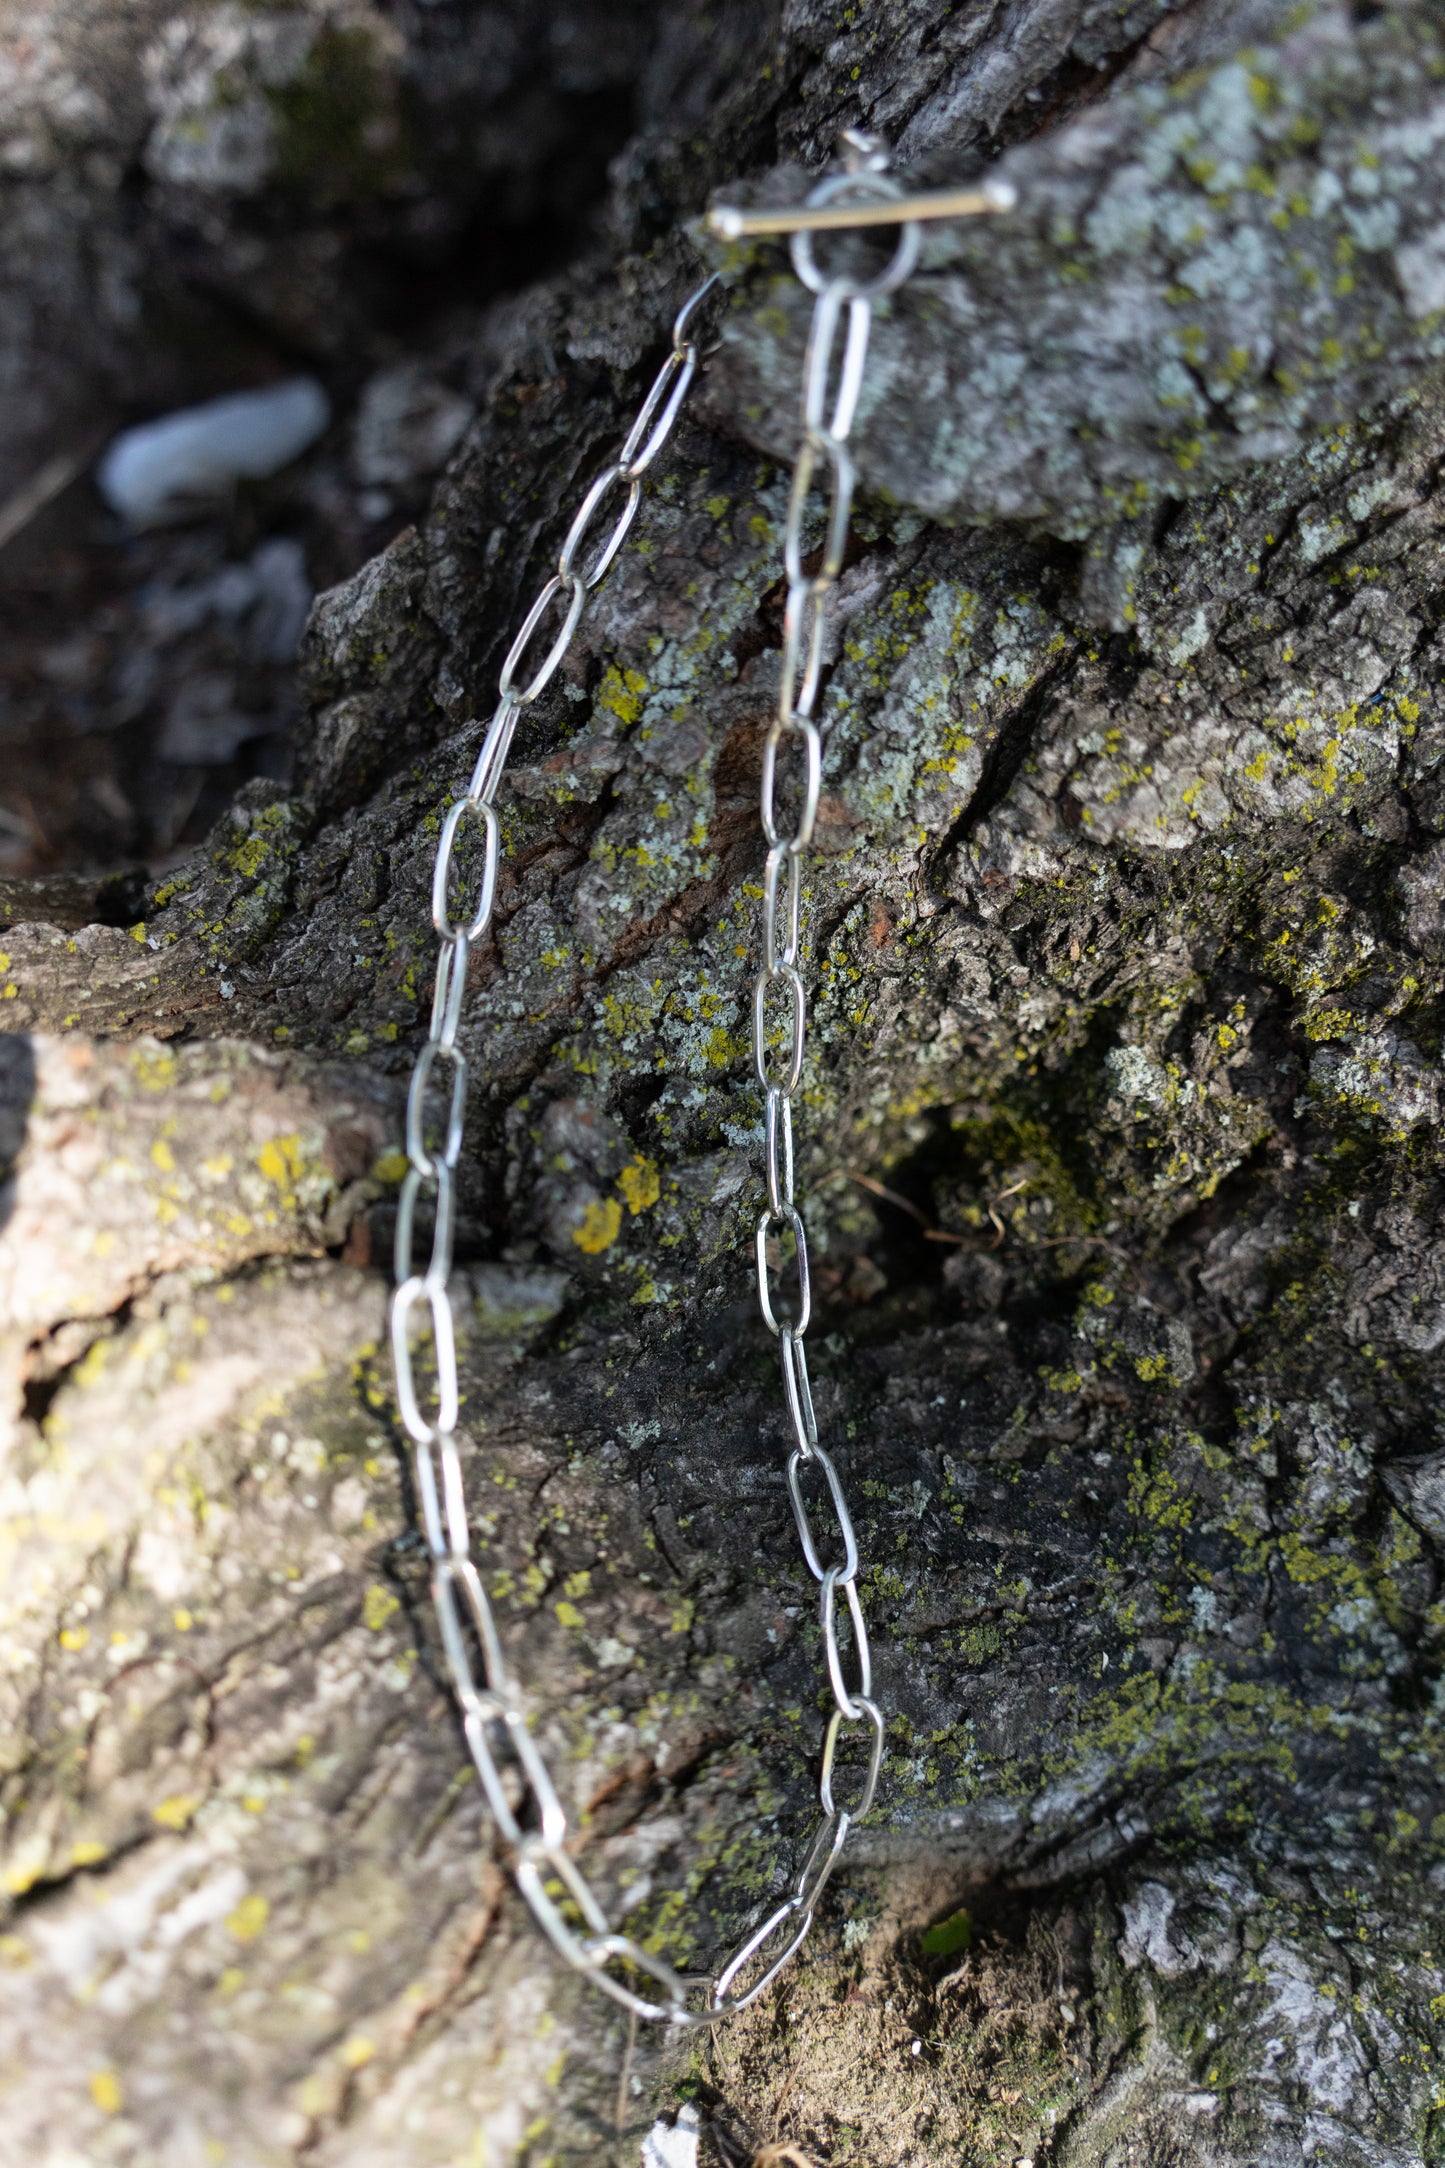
x=1123, y=1174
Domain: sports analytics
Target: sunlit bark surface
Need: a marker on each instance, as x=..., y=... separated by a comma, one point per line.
x=1126, y=934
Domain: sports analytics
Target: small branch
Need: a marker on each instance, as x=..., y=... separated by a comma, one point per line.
x=624, y=2075
x=44, y=486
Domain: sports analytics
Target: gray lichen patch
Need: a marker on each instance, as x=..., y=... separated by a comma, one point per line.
x=1199, y=276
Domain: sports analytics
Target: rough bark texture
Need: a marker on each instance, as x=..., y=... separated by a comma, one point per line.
x=1127, y=930
x=213, y=181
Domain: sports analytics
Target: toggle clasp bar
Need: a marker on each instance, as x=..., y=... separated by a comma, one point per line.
x=735, y=224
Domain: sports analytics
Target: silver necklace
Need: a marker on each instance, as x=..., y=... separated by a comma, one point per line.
x=493, y=1713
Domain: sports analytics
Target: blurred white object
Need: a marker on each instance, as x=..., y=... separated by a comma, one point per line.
x=674, y=2147
x=166, y=469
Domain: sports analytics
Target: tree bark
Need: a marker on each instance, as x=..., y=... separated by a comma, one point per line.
x=1126, y=935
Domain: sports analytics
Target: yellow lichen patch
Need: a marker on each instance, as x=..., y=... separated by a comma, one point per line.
x=29, y=1865
x=177, y=1812
x=377, y=1606
x=317, y=2097
x=390, y=1167
x=280, y=1160
x=567, y=1614
x=601, y=1223
x=106, y=2092
x=162, y=1156
x=640, y=1184
x=249, y=1917
x=153, y=1069
x=74, y=1638
x=621, y=693
x=87, y=1853
x=356, y=2051
x=15, y=1952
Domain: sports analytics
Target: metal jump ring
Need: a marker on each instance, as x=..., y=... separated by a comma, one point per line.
x=904, y=258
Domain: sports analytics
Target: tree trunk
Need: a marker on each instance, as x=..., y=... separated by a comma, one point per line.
x=1126, y=941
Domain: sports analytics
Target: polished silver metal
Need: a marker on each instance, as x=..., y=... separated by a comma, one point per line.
x=721, y=2002
x=529, y=1815
x=492, y=758
x=451, y=1150
x=833, y=374
x=478, y=809
x=804, y=631
x=778, y=1139
x=843, y=477
x=783, y=860
x=609, y=479
x=523, y=1800
x=444, y=1211
x=403, y=1302
x=788, y=977
x=873, y=1716
x=451, y=987
x=551, y=662
x=791, y=1218
x=797, y=1392
x=474, y=1727
x=874, y=188
x=800, y=727
x=454, y=1641
x=444, y=1509
x=429, y=1499
x=848, y=1704
x=822, y=1857
x=797, y=1462
x=818, y=364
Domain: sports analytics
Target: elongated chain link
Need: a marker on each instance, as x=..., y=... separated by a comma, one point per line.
x=519, y=1790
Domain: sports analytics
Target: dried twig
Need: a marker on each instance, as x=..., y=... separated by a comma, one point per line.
x=1012, y=1191
x=624, y=2075
x=892, y=1196
x=942, y=1234
x=42, y=488
x=905, y=1204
